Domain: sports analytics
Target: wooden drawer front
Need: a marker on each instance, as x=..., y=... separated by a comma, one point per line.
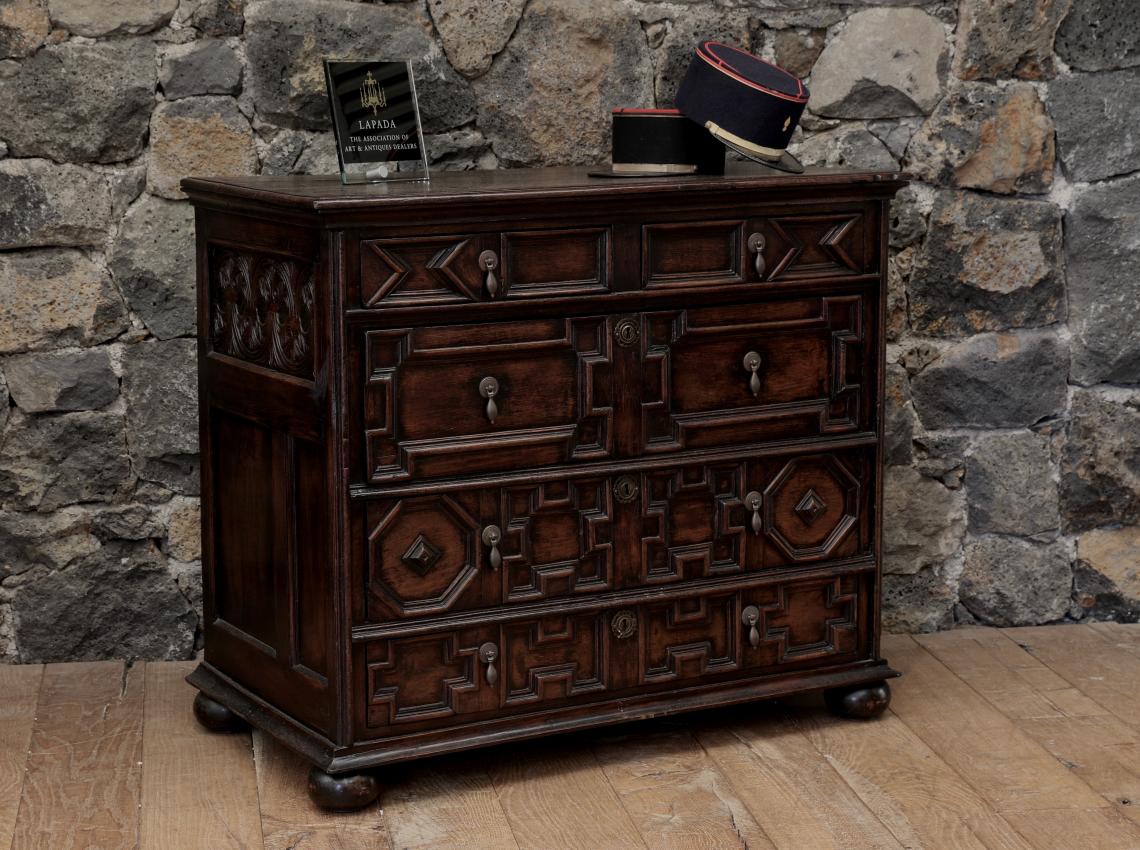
x=692, y=253
x=558, y=539
x=426, y=680
x=717, y=253
x=432, y=680
x=807, y=622
x=813, y=373
x=429, y=554
x=424, y=556
x=555, y=658
x=421, y=270
x=699, y=522
x=831, y=244
x=555, y=262
x=414, y=270
x=424, y=414
x=444, y=678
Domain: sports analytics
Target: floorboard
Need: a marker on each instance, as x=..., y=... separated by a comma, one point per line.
x=1081, y=734
x=1096, y=665
x=795, y=794
x=199, y=790
x=922, y=800
x=1011, y=771
x=446, y=802
x=560, y=799
x=19, y=690
x=82, y=787
x=674, y=793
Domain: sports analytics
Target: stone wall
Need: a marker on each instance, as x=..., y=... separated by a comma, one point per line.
x=1013, y=491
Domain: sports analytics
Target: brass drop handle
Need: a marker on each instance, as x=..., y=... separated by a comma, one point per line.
x=489, y=261
x=751, y=616
x=753, y=501
x=489, y=388
x=756, y=244
x=752, y=364
x=489, y=654
x=491, y=537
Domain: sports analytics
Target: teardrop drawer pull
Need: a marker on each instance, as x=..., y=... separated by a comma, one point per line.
x=756, y=244
x=489, y=388
x=752, y=364
x=753, y=501
x=489, y=654
x=489, y=261
x=751, y=616
x=492, y=536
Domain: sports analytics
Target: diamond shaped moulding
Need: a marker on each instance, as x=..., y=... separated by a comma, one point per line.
x=421, y=556
x=810, y=506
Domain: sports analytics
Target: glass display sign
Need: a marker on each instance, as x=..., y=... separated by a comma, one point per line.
x=376, y=119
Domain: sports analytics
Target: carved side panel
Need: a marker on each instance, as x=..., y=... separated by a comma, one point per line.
x=699, y=392
x=557, y=539
x=690, y=638
x=692, y=522
x=806, y=621
x=554, y=658
x=261, y=309
x=424, y=414
x=425, y=678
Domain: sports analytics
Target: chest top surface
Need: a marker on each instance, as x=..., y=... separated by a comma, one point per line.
x=327, y=193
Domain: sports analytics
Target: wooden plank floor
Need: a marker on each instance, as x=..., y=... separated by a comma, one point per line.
x=996, y=740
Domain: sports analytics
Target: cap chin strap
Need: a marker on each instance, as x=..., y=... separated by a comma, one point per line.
x=743, y=144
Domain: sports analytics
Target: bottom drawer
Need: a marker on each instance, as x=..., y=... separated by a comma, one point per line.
x=465, y=674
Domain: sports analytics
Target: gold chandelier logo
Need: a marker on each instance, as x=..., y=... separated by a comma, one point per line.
x=372, y=94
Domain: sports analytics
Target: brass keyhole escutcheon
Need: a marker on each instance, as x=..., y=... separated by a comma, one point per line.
x=626, y=489
x=624, y=624
x=627, y=332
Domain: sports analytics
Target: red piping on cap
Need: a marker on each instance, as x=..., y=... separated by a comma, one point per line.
x=704, y=52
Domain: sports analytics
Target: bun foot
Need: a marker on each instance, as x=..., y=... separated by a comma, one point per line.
x=216, y=717
x=343, y=793
x=861, y=702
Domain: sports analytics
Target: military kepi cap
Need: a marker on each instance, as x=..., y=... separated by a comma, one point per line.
x=750, y=105
x=660, y=142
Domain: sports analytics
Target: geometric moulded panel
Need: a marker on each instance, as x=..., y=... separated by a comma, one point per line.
x=421, y=555
x=810, y=506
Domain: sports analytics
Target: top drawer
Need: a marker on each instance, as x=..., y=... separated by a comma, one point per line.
x=415, y=270
x=774, y=248
x=517, y=264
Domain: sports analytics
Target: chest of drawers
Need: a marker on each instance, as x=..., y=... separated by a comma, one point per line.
x=519, y=452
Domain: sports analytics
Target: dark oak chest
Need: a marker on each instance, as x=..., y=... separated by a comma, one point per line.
x=521, y=452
